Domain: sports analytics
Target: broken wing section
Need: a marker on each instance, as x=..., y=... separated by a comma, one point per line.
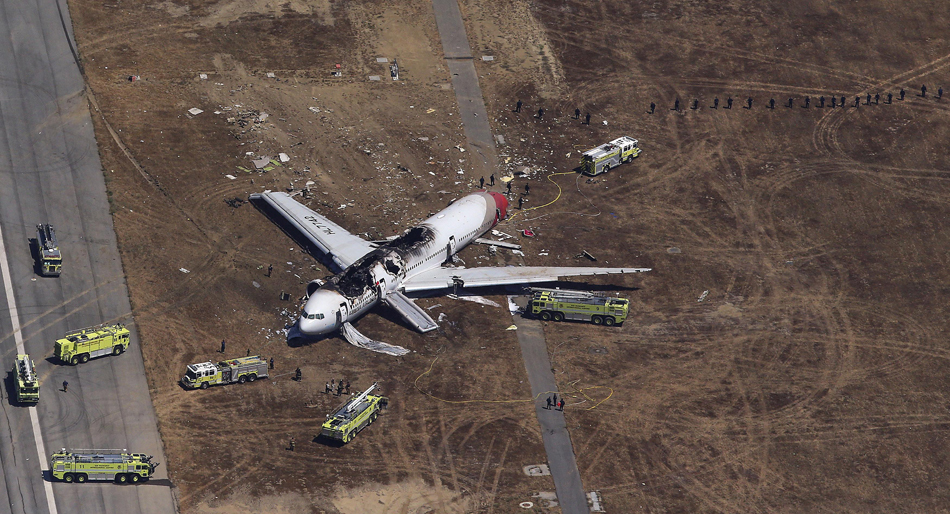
x=412, y=313
x=441, y=278
x=342, y=247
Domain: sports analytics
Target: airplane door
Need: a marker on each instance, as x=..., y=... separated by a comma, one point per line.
x=450, y=249
x=341, y=314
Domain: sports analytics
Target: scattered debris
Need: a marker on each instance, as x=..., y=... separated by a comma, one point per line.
x=375, y=78
x=528, y=233
x=261, y=163
x=442, y=317
x=271, y=75
x=474, y=298
x=593, y=498
x=537, y=470
x=500, y=139
x=703, y=296
x=232, y=177
x=488, y=58
x=195, y=111
x=526, y=505
x=430, y=111
x=235, y=202
x=283, y=157
x=314, y=110
x=133, y=78
x=183, y=270
x=512, y=327
x=587, y=254
x=673, y=249
x=434, y=306
x=203, y=76
x=382, y=59
x=263, y=117
x=255, y=283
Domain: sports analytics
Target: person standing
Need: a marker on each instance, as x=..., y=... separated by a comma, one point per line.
x=548, y=407
x=527, y=189
x=771, y=103
x=293, y=444
x=520, y=202
x=65, y=386
x=715, y=104
x=328, y=389
x=807, y=101
x=842, y=101
x=902, y=94
x=750, y=103
x=789, y=103
x=541, y=113
x=222, y=345
x=491, y=180
x=857, y=101
x=554, y=399
x=481, y=183
x=271, y=363
x=577, y=114
x=652, y=107
x=834, y=102
x=877, y=99
x=347, y=387
x=821, y=102
x=298, y=375
x=695, y=104
x=270, y=269
x=939, y=92
x=560, y=405
x=587, y=119
x=248, y=352
x=518, y=106
x=923, y=90
x=508, y=185
x=890, y=98
x=729, y=103
x=676, y=105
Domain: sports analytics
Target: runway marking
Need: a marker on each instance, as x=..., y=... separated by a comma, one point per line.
x=18, y=337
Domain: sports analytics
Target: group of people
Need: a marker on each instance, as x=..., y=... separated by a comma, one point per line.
x=540, y=115
x=555, y=402
x=821, y=100
x=341, y=388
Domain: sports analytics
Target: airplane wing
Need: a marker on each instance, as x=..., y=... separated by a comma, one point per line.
x=342, y=247
x=441, y=278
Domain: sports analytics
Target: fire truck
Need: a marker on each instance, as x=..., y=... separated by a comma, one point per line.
x=562, y=304
x=609, y=155
x=240, y=370
x=92, y=342
x=354, y=415
x=51, y=261
x=25, y=382
x=118, y=465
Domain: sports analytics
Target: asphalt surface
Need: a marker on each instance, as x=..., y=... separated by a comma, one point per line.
x=557, y=442
x=50, y=172
x=458, y=57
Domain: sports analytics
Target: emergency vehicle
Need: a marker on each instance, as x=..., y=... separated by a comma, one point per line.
x=240, y=370
x=562, y=304
x=609, y=155
x=81, y=465
x=92, y=342
x=25, y=382
x=354, y=415
x=51, y=261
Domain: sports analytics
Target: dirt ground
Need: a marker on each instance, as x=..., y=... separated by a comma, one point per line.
x=785, y=355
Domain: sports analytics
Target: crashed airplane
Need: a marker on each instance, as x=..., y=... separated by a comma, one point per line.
x=374, y=272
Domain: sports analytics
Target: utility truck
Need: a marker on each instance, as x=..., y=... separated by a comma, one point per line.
x=609, y=155
x=25, y=382
x=240, y=370
x=354, y=415
x=562, y=304
x=92, y=342
x=51, y=260
x=118, y=465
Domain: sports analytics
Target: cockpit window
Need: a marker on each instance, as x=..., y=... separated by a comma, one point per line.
x=312, y=316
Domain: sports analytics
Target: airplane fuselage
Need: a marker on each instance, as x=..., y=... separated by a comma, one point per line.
x=350, y=294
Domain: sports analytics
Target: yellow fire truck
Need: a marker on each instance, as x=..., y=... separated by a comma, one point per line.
x=562, y=304
x=240, y=370
x=51, y=261
x=25, y=381
x=92, y=342
x=354, y=415
x=81, y=465
x=610, y=155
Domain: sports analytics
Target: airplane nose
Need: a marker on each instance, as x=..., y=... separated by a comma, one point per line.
x=312, y=327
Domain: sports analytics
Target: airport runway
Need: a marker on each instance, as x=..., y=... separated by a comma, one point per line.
x=50, y=172
x=557, y=441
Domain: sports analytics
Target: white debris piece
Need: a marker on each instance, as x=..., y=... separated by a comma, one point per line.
x=260, y=163
x=477, y=299
x=183, y=270
x=703, y=296
x=382, y=59
x=203, y=76
x=375, y=77
x=283, y=157
x=271, y=75
x=195, y=111
x=232, y=177
x=442, y=317
x=314, y=110
x=488, y=58
x=263, y=117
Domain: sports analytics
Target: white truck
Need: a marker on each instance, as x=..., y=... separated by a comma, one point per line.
x=240, y=370
x=610, y=155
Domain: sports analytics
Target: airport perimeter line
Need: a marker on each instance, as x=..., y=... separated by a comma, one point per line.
x=18, y=337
